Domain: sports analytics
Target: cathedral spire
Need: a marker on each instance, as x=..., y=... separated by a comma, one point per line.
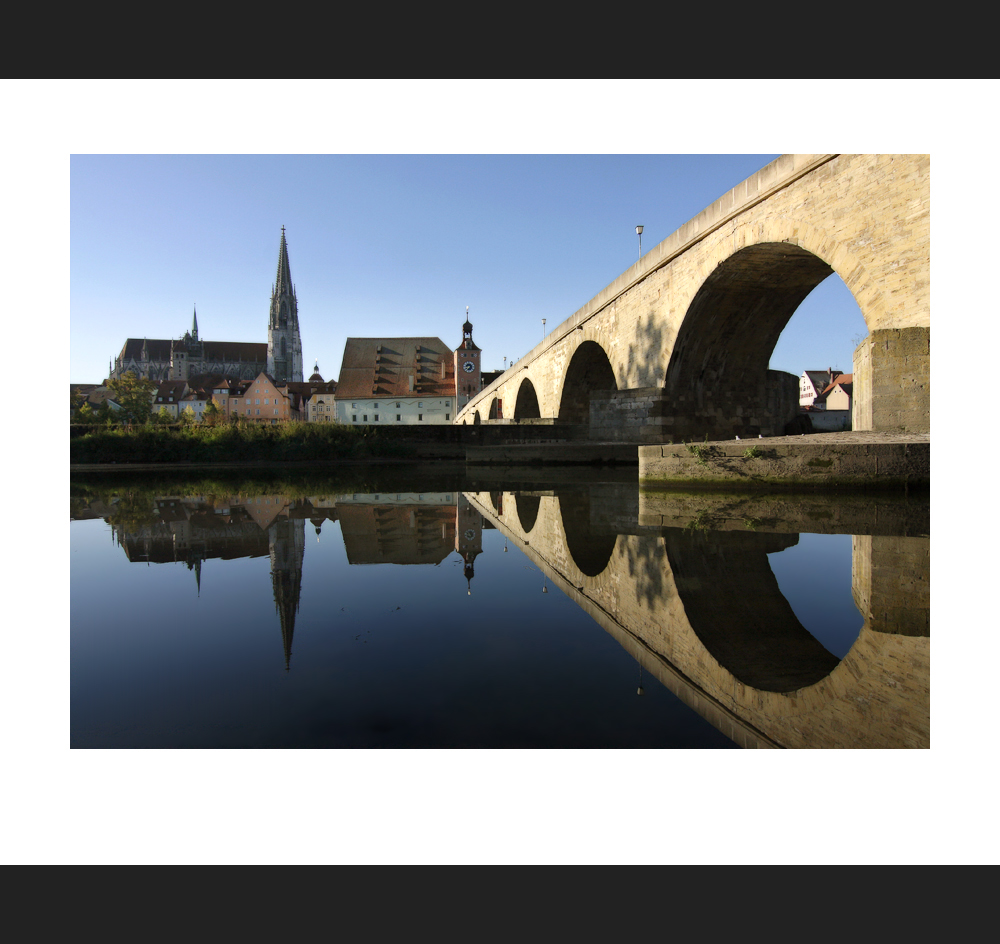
x=283, y=282
x=284, y=344
x=194, y=326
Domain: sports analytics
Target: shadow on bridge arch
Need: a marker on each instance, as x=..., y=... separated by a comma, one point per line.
x=589, y=370
x=725, y=342
x=476, y=419
x=496, y=409
x=526, y=405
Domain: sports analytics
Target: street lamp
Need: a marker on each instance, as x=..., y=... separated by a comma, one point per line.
x=638, y=232
x=543, y=329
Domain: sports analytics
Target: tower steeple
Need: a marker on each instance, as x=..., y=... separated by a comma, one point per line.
x=194, y=325
x=284, y=344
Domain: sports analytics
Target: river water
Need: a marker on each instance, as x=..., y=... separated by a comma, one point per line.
x=396, y=612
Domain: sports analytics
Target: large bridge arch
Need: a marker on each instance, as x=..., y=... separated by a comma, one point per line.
x=688, y=330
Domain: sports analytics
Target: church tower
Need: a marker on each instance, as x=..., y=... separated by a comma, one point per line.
x=284, y=345
x=468, y=366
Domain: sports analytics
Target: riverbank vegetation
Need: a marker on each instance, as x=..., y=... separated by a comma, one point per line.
x=235, y=442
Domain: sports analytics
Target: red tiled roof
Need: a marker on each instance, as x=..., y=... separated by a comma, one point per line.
x=374, y=367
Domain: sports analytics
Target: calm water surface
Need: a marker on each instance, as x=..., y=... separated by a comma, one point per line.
x=218, y=616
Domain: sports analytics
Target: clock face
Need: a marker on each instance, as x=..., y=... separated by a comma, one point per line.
x=468, y=367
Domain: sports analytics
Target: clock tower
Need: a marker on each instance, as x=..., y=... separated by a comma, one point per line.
x=468, y=365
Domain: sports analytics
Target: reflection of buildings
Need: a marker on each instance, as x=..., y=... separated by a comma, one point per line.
x=397, y=534
x=193, y=530
x=384, y=528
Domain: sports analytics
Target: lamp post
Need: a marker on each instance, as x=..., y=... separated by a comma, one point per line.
x=638, y=232
x=543, y=329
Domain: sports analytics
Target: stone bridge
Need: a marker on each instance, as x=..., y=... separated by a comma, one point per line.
x=684, y=585
x=678, y=346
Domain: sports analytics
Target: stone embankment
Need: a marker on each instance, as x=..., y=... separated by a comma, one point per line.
x=823, y=460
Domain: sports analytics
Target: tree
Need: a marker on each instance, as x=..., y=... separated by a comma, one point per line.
x=164, y=416
x=134, y=396
x=187, y=417
x=212, y=414
x=85, y=414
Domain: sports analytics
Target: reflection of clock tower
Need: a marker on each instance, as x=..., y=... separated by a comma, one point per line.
x=467, y=365
x=468, y=535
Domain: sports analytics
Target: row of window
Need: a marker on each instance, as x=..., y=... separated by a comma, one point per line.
x=420, y=404
x=364, y=417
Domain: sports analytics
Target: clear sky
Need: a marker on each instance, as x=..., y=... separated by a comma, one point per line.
x=388, y=245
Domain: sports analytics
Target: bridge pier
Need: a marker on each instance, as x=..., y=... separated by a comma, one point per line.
x=892, y=381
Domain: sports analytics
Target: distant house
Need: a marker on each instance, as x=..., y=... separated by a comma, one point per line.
x=831, y=409
x=264, y=400
x=812, y=383
x=838, y=394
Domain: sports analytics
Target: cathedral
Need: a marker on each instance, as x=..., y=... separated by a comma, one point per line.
x=187, y=357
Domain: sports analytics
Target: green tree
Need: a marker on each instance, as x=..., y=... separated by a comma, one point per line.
x=85, y=414
x=164, y=416
x=187, y=417
x=134, y=396
x=105, y=414
x=212, y=414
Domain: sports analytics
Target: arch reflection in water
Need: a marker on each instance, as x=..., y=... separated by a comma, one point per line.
x=685, y=584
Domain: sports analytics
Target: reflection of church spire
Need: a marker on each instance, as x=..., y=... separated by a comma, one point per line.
x=287, y=539
x=195, y=565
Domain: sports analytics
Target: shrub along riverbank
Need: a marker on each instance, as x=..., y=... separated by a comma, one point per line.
x=286, y=442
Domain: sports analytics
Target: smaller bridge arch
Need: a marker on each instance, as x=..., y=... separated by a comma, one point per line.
x=526, y=406
x=589, y=371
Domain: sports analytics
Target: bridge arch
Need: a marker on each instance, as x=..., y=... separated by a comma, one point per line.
x=496, y=409
x=590, y=549
x=476, y=420
x=526, y=508
x=526, y=405
x=719, y=360
x=589, y=370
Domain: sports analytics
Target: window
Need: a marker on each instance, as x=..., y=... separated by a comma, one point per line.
x=376, y=406
x=376, y=417
x=354, y=406
x=447, y=416
x=265, y=401
x=365, y=418
x=354, y=418
x=258, y=403
x=420, y=403
x=420, y=416
x=397, y=406
x=397, y=417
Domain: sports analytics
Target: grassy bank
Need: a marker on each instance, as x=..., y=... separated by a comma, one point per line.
x=288, y=442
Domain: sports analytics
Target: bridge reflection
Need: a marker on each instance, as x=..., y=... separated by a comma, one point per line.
x=684, y=584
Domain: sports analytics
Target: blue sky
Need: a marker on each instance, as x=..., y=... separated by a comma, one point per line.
x=388, y=245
